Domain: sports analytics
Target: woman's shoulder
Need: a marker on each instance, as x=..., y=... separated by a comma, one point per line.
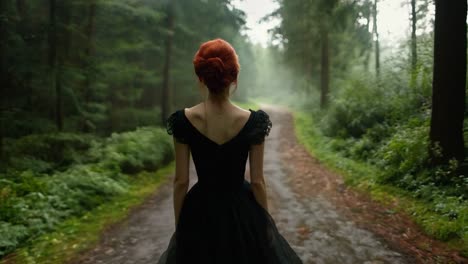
x=242, y=115
x=176, y=126
x=260, y=126
x=196, y=114
x=241, y=110
x=192, y=113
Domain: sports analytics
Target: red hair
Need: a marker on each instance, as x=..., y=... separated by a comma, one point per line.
x=216, y=64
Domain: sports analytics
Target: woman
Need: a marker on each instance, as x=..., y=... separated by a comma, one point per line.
x=223, y=218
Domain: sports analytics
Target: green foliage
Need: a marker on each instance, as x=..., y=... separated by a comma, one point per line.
x=375, y=129
x=33, y=203
x=97, y=68
x=352, y=113
x=405, y=153
x=42, y=152
x=384, y=125
x=79, y=233
x=363, y=103
x=440, y=209
x=12, y=235
x=132, y=152
x=109, y=61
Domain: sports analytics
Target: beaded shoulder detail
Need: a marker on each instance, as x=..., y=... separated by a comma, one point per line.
x=260, y=128
x=175, y=126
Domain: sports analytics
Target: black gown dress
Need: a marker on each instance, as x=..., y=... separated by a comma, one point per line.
x=220, y=220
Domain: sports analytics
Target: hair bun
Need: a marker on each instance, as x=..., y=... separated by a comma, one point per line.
x=213, y=71
x=211, y=67
x=216, y=64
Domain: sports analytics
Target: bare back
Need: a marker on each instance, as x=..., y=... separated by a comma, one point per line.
x=222, y=125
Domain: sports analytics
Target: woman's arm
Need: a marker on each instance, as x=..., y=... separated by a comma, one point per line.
x=256, y=174
x=181, y=179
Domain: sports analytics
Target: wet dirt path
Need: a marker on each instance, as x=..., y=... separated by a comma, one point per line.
x=305, y=200
x=310, y=222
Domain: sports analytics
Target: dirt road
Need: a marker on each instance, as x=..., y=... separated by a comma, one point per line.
x=323, y=220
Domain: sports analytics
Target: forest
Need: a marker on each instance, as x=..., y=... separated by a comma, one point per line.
x=87, y=85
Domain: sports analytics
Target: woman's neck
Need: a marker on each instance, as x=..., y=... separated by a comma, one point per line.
x=218, y=103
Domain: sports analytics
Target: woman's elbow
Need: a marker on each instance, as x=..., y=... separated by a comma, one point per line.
x=181, y=181
x=258, y=183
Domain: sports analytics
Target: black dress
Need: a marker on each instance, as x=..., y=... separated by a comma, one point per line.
x=220, y=220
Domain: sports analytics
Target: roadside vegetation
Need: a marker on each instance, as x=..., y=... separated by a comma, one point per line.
x=56, y=187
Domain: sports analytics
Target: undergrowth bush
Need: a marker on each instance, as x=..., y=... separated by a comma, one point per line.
x=384, y=125
x=36, y=196
x=352, y=113
x=362, y=104
x=405, y=153
x=135, y=151
x=46, y=152
x=442, y=206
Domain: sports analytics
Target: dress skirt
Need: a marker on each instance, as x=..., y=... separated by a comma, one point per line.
x=226, y=228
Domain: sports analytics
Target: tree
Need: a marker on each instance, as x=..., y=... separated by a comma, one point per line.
x=419, y=20
x=449, y=82
x=322, y=38
x=367, y=13
x=52, y=61
x=124, y=43
x=325, y=9
x=414, y=45
x=166, y=91
x=325, y=69
x=3, y=72
x=88, y=64
x=376, y=39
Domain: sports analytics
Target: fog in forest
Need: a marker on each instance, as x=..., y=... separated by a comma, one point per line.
x=375, y=90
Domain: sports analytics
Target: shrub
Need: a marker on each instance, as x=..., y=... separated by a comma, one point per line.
x=32, y=202
x=405, y=153
x=132, y=152
x=354, y=109
x=44, y=152
x=11, y=236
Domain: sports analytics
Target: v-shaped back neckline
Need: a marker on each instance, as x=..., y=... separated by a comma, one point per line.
x=212, y=141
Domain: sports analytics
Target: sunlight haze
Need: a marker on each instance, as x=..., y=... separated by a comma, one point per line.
x=256, y=10
x=393, y=20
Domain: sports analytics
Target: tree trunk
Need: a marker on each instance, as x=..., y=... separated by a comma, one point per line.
x=24, y=25
x=449, y=82
x=368, y=52
x=376, y=40
x=52, y=62
x=3, y=73
x=59, y=97
x=89, y=51
x=325, y=69
x=166, y=91
x=414, y=45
